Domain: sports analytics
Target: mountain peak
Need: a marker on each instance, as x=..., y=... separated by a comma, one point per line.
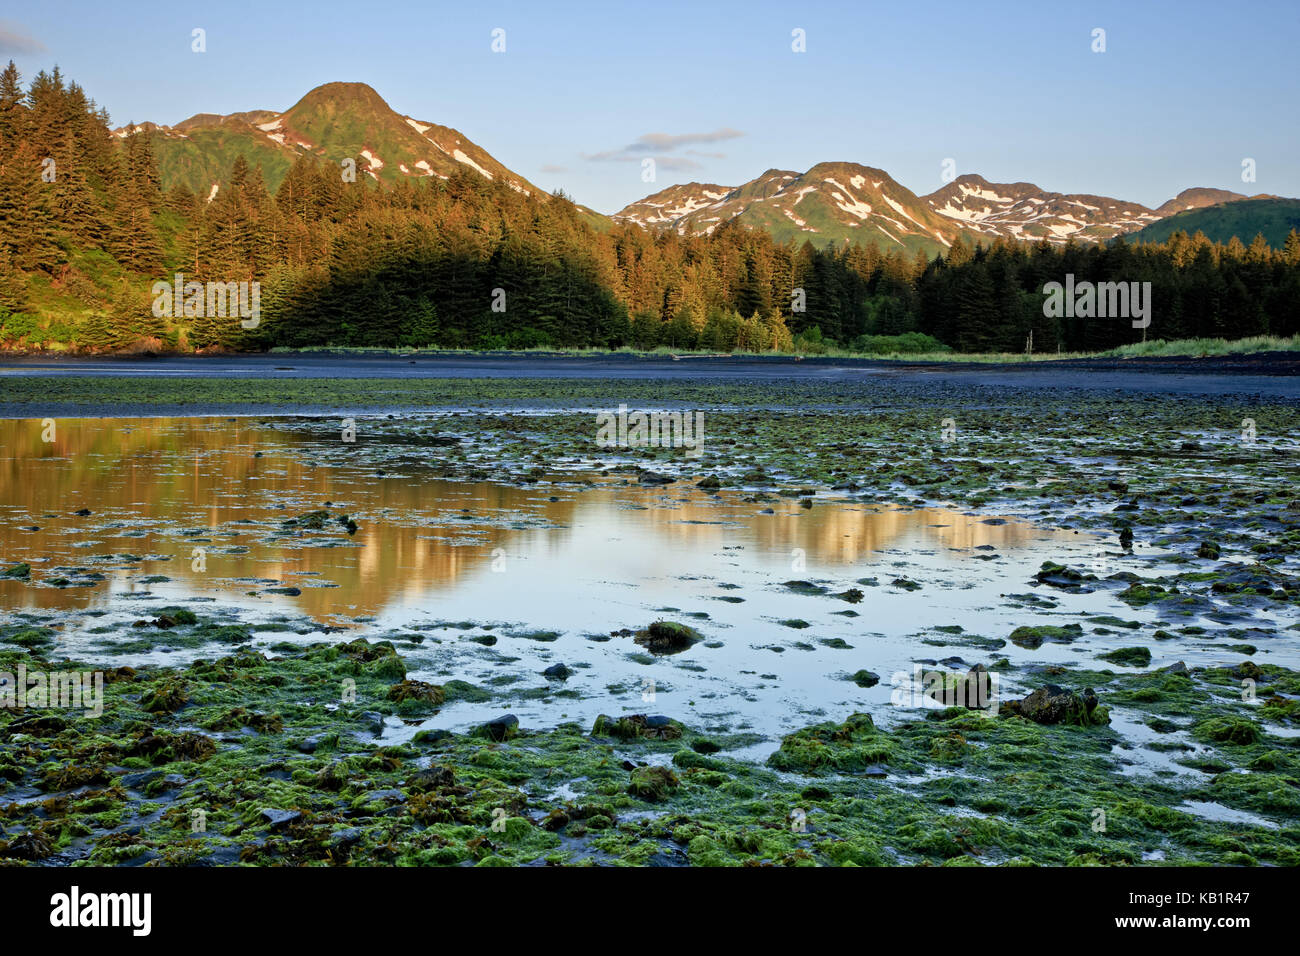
x=1027, y=212
x=1198, y=197
x=831, y=202
x=334, y=121
x=342, y=96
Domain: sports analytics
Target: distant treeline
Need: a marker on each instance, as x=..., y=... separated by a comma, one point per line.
x=471, y=263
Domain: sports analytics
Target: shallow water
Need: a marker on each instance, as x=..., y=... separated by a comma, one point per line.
x=578, y=559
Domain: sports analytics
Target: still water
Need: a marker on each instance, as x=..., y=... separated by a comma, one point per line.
x=193, y=512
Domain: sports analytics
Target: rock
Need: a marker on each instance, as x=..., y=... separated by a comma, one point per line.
x=630, y=726
x=309, y=745
x=865, y=678
x=1208, y=549
x=804, y=587
x=667, y=637
x=979, y=688
x=1128, y=656
x=37, y=725
x=1056, y=705
x=432, y=777
x=383, y=796
x=434, y=735
x=708, y=483
x=654, y=478
x=417, y=690
x=280, y=818
x=501, y=728
x=345, y=839
x=1059, y=576
x=557, y=672
x=652, y=783
x=374, y=721
x=1247, y=670
x=136, y=781
x=1032, y=637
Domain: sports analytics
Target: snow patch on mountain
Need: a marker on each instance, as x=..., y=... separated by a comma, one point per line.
x=460, y=157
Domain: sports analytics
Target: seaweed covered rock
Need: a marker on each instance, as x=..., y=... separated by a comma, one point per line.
x=1051, y=704
x=433, y=777
x=501, y=728
x=416, y=691
x=853, y=745
x=1128, y=656
x=629, y=726
x=164, y=747
x=166, y=697
x=667, y=637
x=1059, y=576
x=652, y=783
x=1033, y=637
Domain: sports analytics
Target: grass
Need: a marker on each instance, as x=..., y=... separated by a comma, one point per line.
x=1155, y=348
x=1205, y=347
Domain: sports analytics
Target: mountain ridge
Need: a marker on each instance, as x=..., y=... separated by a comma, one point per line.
x=335, y=121
x=970, y=205
x=831, y=203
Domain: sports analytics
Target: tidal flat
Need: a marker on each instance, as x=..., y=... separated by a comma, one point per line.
x=434, y=623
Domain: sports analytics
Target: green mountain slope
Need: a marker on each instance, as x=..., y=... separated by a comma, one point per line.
x=830, y=204
x=1243, y=219
x=336, y=121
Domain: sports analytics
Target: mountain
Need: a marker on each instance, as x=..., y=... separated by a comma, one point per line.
x=837, y=202
x=1198, y=198
x=830, y=203
x=335, y=121
x=1243, y=218
x=667, y=206
x=1024, y=211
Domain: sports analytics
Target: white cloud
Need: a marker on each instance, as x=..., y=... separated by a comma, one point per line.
x=14, y=39
x=658, y=144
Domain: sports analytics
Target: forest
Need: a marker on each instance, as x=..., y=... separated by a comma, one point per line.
x=87, y=228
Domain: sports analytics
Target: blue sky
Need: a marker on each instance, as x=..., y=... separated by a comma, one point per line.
x=1010, y=90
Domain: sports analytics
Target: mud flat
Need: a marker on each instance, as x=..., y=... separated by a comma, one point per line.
x=472, y=636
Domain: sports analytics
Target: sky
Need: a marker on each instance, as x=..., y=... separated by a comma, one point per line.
x=1183, y=93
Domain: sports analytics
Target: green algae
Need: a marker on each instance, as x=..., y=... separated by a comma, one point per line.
x=949, y=788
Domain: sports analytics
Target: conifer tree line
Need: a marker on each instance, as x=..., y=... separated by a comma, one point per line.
x=86, y=228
